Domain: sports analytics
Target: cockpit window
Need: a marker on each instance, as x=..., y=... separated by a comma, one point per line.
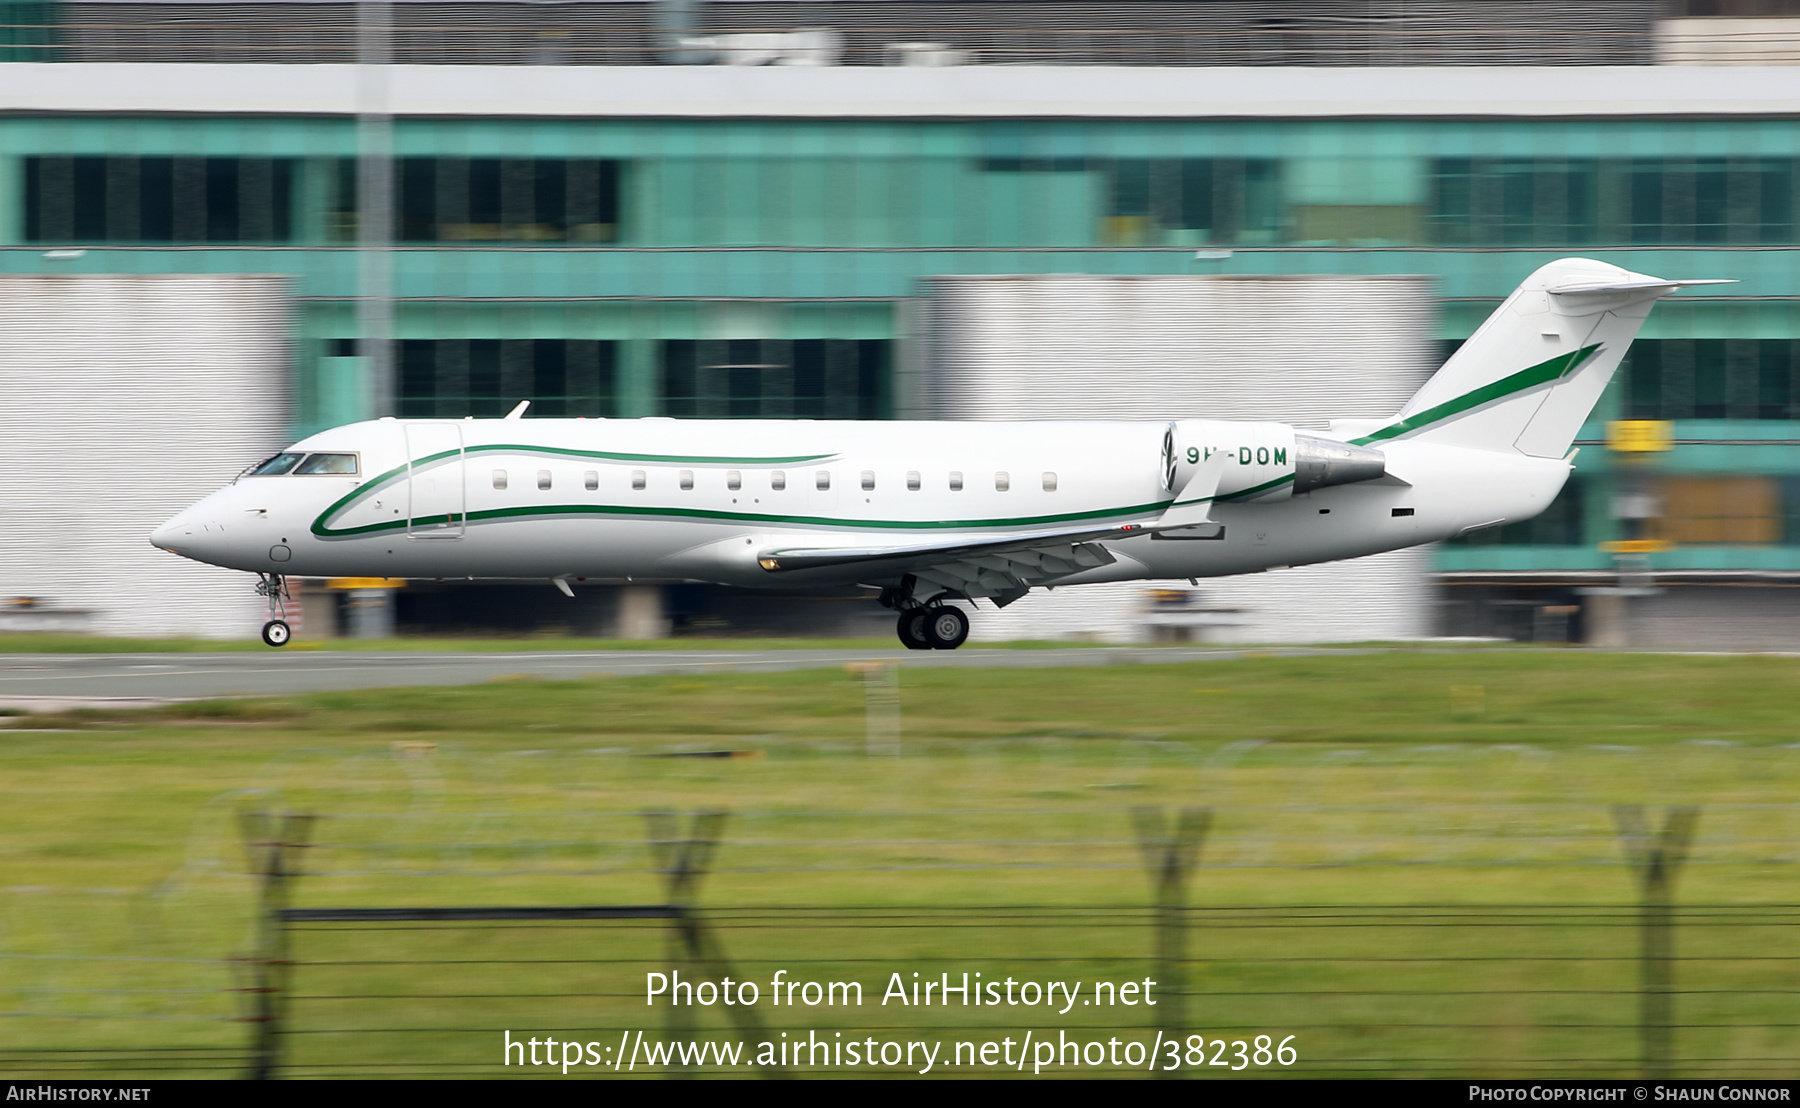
x=340, y=464
x=279, y=464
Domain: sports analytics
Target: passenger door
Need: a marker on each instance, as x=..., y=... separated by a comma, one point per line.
x=436, y=492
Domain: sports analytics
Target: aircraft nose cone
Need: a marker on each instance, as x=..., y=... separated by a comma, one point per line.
x=170, y=535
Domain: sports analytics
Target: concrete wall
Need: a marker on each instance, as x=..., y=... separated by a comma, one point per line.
x=1728, y=41
x=124, y=399
x=1748, y=616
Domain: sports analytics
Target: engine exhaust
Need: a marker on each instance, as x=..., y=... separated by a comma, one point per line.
x=1321, y=463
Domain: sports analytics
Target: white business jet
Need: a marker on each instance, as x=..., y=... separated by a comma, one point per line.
x=929, y=513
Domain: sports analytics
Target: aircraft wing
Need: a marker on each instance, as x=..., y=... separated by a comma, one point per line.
x=1002, y=569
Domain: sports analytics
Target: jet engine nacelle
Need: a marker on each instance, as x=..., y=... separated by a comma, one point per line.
x=1264, y=461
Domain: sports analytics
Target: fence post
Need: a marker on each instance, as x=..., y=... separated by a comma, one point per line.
x=881, y=707
x=683, y=861
x=273, y=844
x=1168, y=856
x=1657, y=858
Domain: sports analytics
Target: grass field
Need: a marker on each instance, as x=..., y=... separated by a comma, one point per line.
x=1422, y=796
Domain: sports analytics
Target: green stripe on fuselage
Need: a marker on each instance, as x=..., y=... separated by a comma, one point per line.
x=323, y=530
x=623, y=511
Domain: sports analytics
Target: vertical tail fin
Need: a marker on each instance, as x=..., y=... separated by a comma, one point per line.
x=1526, y=381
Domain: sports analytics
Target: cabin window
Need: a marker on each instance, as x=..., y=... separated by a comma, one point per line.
x=686, y=480
x=1049, y=481
x=912, y=480
x=339, y=465
x=956, y=480
x=591, y=478
x=868, y=480
x=500, y=479
x=778, y=480
x=637, y=479
x=1002, y=481
x=822, y=479
x=734, y=480
x=544, y=479
x=277, y=465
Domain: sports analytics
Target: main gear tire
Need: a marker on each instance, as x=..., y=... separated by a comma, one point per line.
x=276, y=632
x=911, y=627
x=946, y=627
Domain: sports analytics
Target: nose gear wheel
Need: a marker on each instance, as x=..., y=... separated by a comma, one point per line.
x=276, y=631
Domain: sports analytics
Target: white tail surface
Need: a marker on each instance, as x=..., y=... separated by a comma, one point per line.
x=1527, y=380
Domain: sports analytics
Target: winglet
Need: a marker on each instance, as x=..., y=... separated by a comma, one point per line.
x=1193, y=504
x=519, y=412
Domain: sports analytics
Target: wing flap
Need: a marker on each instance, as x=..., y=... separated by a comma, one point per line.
x=1001, y=568
x=1069, y=545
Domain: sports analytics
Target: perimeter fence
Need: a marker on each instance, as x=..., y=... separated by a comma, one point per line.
x=1540, y=991
x=1164, y=968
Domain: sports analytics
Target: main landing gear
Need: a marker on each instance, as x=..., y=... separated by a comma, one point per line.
x=933, y=627
x=276, y=632
x=925, y=624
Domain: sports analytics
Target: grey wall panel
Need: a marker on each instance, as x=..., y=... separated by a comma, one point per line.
x=1717, y=617
x=124, y=399
x=1301, y=350
x=1383, y=597
x=1298, y=349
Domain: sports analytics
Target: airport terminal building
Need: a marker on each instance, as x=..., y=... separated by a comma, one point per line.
x=629, y=225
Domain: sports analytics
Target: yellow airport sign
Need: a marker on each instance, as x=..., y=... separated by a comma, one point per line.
x=1637, y=546
x=366, y=583
x=1638, y=436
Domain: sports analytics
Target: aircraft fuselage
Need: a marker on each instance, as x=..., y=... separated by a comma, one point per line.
x=694, y=500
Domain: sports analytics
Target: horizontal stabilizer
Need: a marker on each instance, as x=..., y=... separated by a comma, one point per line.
x=1579, y=286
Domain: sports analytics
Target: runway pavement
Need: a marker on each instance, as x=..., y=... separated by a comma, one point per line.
x=50, y=681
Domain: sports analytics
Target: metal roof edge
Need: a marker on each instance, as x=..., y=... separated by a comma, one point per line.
x=964, y=92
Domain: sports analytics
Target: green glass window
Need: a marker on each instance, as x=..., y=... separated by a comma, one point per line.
x=1513, y=202
x=453, y=378
x=492, y=200
x=1191, y=202
x=1710, y=379
x=1616, y=201
x=126, y=200
x=775, y=378
x=1025, y=201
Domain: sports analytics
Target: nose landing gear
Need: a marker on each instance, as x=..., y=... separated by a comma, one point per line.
x=276, y=632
